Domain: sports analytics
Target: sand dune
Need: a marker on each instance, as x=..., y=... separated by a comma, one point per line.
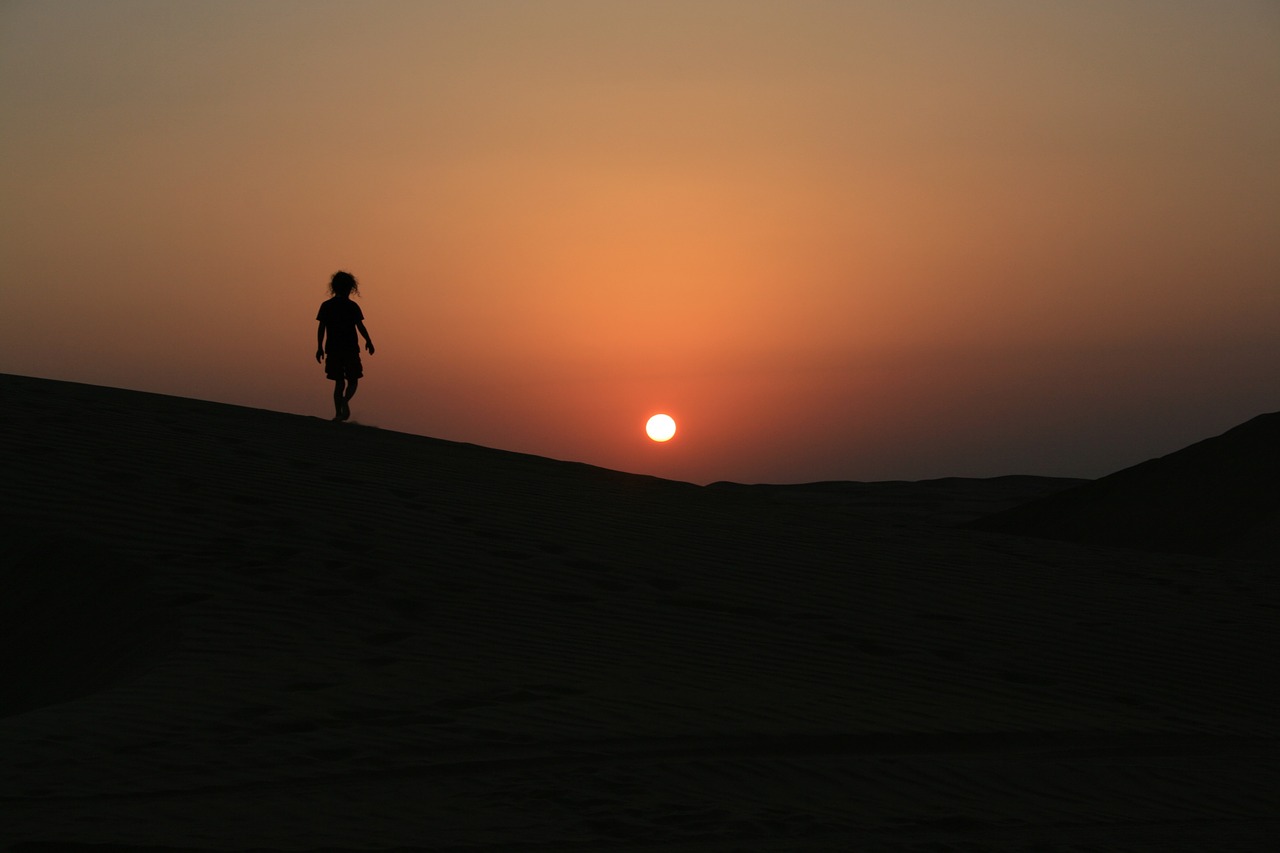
x=1218, y=496
x=232, y=629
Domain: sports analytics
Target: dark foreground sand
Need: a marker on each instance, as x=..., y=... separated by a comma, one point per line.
x=231, y=629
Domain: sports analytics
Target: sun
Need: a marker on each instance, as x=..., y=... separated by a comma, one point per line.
x=661, y=427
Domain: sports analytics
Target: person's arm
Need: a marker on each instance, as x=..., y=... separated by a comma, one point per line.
x=320, y=342
x=368, y=344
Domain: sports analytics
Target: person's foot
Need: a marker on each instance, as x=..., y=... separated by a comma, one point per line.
x=344, y=411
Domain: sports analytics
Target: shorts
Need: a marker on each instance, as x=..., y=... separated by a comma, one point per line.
x=343, y=365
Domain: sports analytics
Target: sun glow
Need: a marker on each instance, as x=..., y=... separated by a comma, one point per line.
x=660, y=427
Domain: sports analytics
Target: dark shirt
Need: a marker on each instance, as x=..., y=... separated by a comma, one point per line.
x=340, y=316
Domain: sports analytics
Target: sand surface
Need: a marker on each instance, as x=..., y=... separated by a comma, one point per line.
x=232, y=629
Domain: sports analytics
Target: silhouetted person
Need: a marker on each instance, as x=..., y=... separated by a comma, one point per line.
x=341, y=319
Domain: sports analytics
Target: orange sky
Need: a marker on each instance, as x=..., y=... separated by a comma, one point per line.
x=834, y=240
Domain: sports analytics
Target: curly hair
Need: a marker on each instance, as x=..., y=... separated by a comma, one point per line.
x=344, y=284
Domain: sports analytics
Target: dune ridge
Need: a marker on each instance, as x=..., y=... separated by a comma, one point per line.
x=1220, y=496
x=244, y=630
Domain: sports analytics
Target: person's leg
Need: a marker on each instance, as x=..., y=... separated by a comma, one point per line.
x=346, y=398
x=339, y=388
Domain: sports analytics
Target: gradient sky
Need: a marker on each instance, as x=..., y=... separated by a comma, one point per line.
x=835, y=240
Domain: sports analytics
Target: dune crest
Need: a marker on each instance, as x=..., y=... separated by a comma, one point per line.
x=1220, y=496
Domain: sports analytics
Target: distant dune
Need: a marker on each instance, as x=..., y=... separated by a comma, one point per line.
x=232, y=629
x=1220, y=496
